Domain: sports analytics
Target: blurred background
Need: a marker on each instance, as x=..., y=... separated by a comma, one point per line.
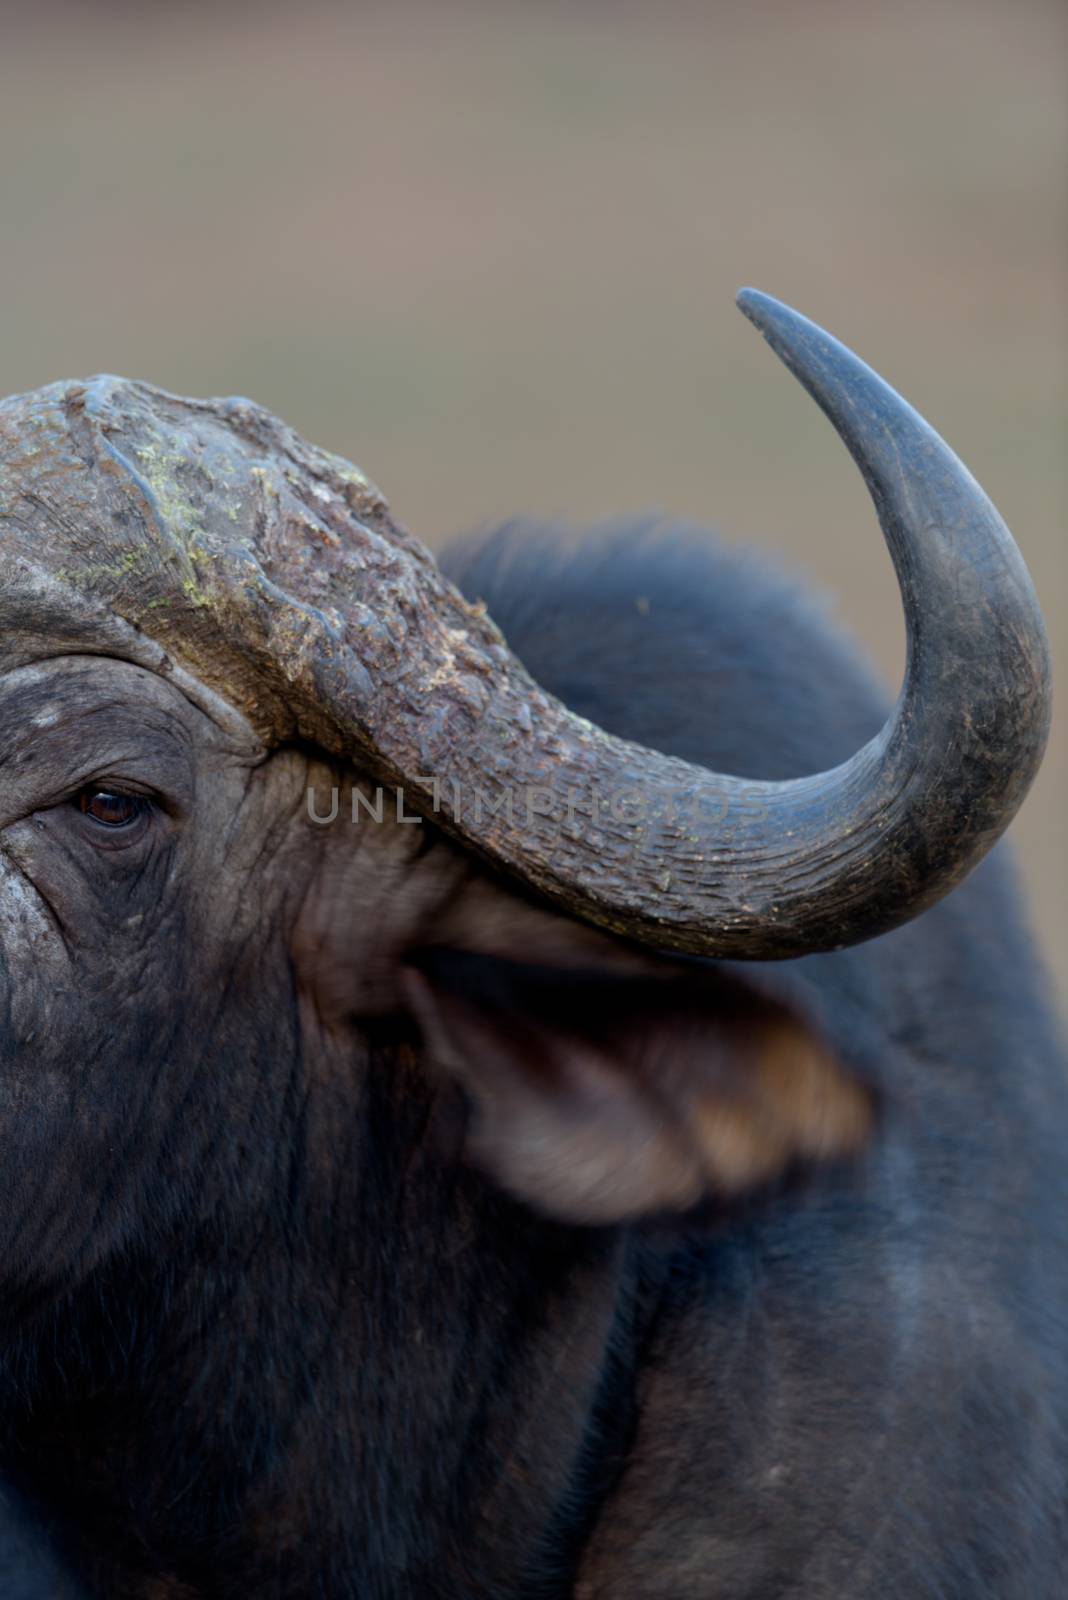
x=489, y=251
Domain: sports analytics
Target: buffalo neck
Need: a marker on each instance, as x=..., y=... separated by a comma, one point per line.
x=382, y=1378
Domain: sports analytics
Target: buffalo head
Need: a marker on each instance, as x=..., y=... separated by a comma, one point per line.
x=213, y=635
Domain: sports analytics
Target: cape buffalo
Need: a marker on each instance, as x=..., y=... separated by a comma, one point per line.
x=482, y=1131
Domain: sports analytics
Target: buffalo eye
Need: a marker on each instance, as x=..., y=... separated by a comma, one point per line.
x=109, y=809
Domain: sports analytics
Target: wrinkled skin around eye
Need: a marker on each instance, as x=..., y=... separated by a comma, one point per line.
x=118, y=941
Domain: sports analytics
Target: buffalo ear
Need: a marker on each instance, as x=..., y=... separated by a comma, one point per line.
x=599, y=1096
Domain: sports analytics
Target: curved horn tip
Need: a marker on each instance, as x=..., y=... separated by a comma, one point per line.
x=763, y=310
x=776, y=320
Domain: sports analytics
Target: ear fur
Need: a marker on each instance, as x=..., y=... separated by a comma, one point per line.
x=605, y=1083
x=600, y=1096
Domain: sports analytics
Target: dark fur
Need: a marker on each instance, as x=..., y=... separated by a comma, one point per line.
x=338, y=1362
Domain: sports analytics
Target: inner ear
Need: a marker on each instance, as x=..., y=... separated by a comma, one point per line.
x=608, y=1091
x=605, y=1083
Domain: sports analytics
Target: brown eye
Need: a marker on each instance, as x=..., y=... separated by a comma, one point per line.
x=111, y=810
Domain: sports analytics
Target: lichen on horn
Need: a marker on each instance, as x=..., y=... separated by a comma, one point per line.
x=274, y=573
